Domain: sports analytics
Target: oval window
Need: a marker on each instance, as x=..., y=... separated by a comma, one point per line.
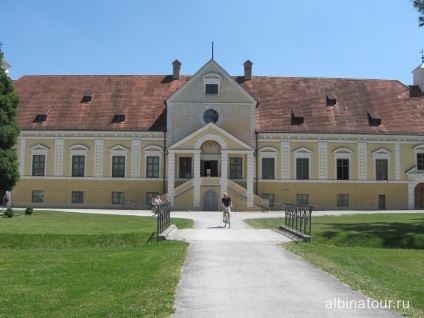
x=211, y=115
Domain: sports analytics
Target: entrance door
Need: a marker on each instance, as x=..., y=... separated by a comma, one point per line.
x=419, y=196
x=210, y=201
x=381, y=201
x=209, y=168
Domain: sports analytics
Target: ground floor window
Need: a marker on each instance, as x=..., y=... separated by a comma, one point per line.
x=343, y=200
x=77, y=197
x=269, y=197
x=37, y=196
x=117, y=197
x=302, y=199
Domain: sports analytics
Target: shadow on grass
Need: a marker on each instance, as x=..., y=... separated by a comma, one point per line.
x=374, y=234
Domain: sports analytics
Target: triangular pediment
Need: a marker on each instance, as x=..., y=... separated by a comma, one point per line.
x=194, y=90
x=210, y=132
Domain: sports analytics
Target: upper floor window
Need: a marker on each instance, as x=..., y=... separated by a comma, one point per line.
x=342, y=157
x=268, y=168
x=211, y=88
x=118, y=159
x=268, y=159
x=185, y=167
x=236, y=168
x=38, y=165
x=212, y=83
x=342, y=169
x=381, y=169
x=302, y=168
x=152, y=167
x=78, y=166
x=39, y=160
x=118, y=166
x=420, y=161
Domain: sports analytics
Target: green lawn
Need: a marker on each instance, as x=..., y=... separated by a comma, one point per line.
x=56, y=264
x=379, y=254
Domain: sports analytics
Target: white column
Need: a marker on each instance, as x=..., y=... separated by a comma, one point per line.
x=171, y=176
x=224, y=171
x=58, y=157
x=98, y=158
x=250, y=178
x=196, y=180
x=22, y=157
x=285, y=160
x=397, y=161
x=322, y=161
x=362, y=161
x=135, y=158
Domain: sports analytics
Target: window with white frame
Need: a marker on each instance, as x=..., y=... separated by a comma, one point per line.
x=342, y=157
x=236, y=168
x=152, y=158
x=419, y=157
x=381, y=164
x=78, y=160
x=39, y=160
x=212, y=83
x=118, y=160
x=268, y=159
x=303, y=163
x=185, y=167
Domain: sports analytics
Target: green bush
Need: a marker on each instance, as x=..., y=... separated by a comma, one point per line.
x=29, y=210
x=9, y=212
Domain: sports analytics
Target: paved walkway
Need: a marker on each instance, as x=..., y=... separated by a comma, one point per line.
x=242, y=272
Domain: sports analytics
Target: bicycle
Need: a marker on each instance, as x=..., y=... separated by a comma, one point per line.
x=227, y=218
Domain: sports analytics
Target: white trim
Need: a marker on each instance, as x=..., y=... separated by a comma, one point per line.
x=268, y=152
x=342, y=153
x=302, y=153
x=153, y=151
x=39, y=150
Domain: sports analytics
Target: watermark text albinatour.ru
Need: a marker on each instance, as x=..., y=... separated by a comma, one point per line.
x=368, y=303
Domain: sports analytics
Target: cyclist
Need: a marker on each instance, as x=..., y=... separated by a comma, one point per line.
x=227, y=204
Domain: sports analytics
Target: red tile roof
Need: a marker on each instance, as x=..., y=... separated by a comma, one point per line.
x=141, y=99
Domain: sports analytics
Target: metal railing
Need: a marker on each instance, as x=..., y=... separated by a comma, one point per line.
x=163, y=217
x=298, y=217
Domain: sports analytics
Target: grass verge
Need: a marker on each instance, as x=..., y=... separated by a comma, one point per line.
x=111, y=272
x=364, y=252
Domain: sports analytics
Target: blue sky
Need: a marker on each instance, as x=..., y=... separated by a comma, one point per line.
x=307, y=38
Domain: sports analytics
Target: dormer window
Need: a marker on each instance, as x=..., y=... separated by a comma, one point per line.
x=119, y=117
x=86, y=99
x=331, y=99
x=211, y=83
x=374, y=118
x=40, y=118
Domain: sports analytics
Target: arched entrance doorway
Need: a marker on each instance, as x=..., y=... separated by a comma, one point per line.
x=210, y=159
x=419, y=196
x=210, y=201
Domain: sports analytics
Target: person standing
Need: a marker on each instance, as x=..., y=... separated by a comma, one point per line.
x=5, y=201
x=227, y=204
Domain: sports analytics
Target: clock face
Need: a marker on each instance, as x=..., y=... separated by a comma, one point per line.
x=211, y=115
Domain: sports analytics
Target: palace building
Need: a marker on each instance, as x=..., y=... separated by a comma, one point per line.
x=117, y=141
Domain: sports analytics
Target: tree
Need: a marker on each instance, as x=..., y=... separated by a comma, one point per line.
x=9, y=131
x=419, y=5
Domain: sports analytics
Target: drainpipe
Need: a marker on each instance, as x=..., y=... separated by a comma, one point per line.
x=256, y=155
x=165, y=152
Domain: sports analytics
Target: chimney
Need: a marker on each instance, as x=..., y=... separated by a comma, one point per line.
x=247, y=70
x=176, y=69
